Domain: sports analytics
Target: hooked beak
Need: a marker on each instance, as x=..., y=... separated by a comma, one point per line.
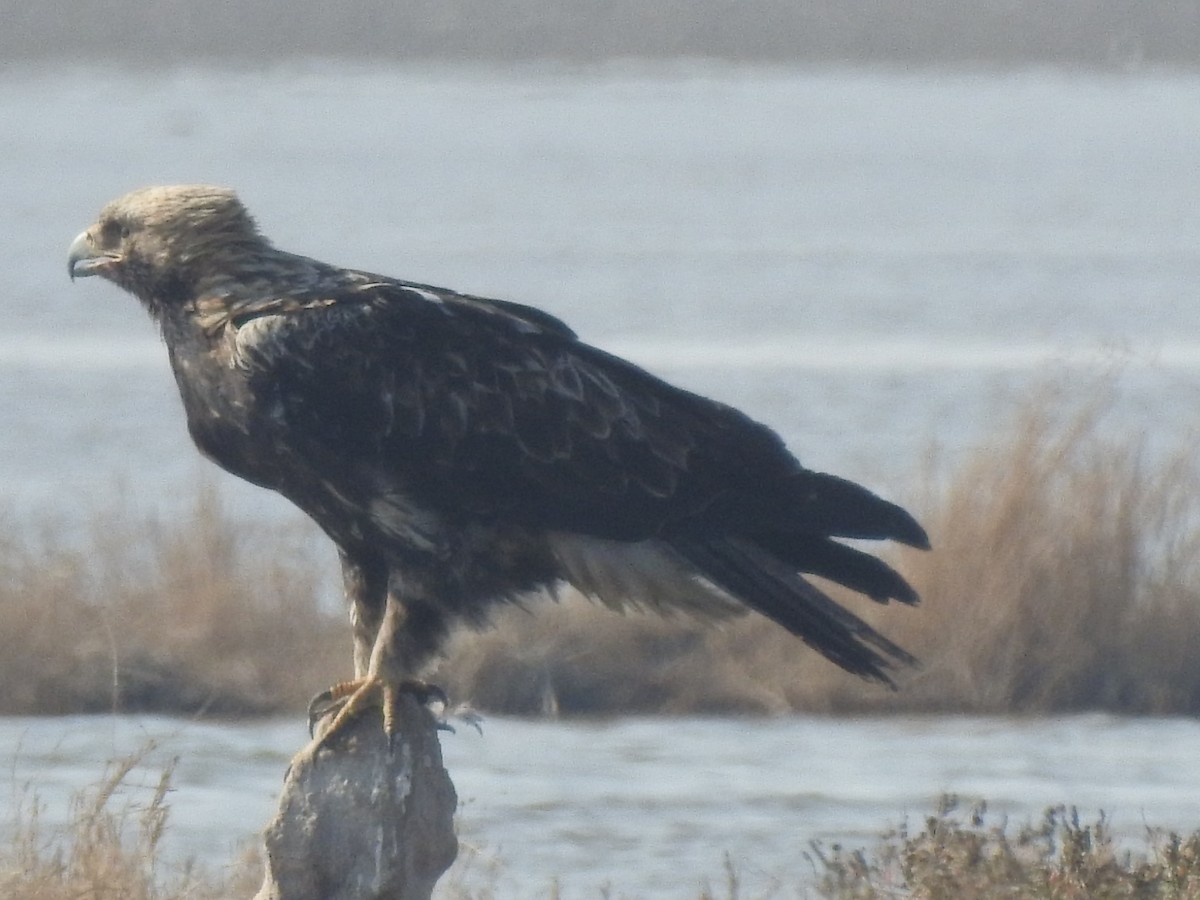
x=83, y=259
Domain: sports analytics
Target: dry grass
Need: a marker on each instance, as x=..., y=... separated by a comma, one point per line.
x=199, y=614
x=960, y=854
x=1067, y=573
x=111, y=848
x=1065, y=576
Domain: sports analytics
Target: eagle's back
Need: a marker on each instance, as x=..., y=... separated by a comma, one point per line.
x=484, y=409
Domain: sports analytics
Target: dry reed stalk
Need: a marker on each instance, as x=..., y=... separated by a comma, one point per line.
x=198, y=613
x=111, y=846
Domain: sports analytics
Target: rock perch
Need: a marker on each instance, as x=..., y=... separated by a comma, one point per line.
x=356, y=822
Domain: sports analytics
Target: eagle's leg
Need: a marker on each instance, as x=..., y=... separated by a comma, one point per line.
x=405, y=633
x=365, y=582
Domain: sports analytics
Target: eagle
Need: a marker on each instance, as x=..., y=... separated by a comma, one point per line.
x=463, y=452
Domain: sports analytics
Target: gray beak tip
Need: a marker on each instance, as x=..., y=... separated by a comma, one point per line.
x=79, y=251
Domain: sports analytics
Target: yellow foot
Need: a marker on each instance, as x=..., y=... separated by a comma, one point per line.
x=350, y=698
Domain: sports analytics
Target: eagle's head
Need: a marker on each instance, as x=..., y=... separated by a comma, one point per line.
x=162, y=244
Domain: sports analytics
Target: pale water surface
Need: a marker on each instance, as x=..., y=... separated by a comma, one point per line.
x=868, y=261
x=650, y=806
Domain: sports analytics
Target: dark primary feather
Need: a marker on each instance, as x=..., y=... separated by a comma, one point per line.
x=775, y=590
x=476, y=449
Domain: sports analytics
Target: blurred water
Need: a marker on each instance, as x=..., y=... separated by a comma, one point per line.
x=868, y=261
x=650, y=807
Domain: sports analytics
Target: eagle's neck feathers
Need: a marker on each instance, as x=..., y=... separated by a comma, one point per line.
x=232, y=290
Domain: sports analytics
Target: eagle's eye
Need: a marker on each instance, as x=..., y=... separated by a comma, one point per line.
x=114, y=230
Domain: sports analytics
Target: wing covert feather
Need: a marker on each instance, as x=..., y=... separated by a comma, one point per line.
x=479, y=409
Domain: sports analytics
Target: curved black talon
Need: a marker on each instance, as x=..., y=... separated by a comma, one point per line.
x=333, y=700
x=320, y=706
x=313, y=709
x=424, y=692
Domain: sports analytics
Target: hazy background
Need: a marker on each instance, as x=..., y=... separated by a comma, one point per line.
x=878, y=227
x=1091, y=32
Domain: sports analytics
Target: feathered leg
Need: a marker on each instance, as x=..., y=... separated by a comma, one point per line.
x=366, y=586
x=395, y=658
x=365, y=582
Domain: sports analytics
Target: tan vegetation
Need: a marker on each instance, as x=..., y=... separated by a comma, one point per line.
x=1065, y=576
x=960, y=854
x=1067, y=572
x=112, y=847
x=203, y=613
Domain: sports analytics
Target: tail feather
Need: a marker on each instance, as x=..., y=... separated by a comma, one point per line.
x=829, y=505
x=804, y=502
x=771, y=587
x=847, y=566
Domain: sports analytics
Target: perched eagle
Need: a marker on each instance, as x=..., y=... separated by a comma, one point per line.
x=463, y=452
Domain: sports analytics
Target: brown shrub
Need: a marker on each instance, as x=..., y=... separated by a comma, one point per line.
x=962, y=854
x=1064, y=576
x=200, y=613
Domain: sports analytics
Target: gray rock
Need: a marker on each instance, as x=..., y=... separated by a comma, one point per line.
x=356, y=822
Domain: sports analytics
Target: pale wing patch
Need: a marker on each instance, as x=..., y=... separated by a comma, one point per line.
x=406, y=522
x=427, y=296
x=647, y=575
x=256, y=336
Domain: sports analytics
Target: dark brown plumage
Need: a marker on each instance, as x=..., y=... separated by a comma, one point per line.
x=463, y=452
